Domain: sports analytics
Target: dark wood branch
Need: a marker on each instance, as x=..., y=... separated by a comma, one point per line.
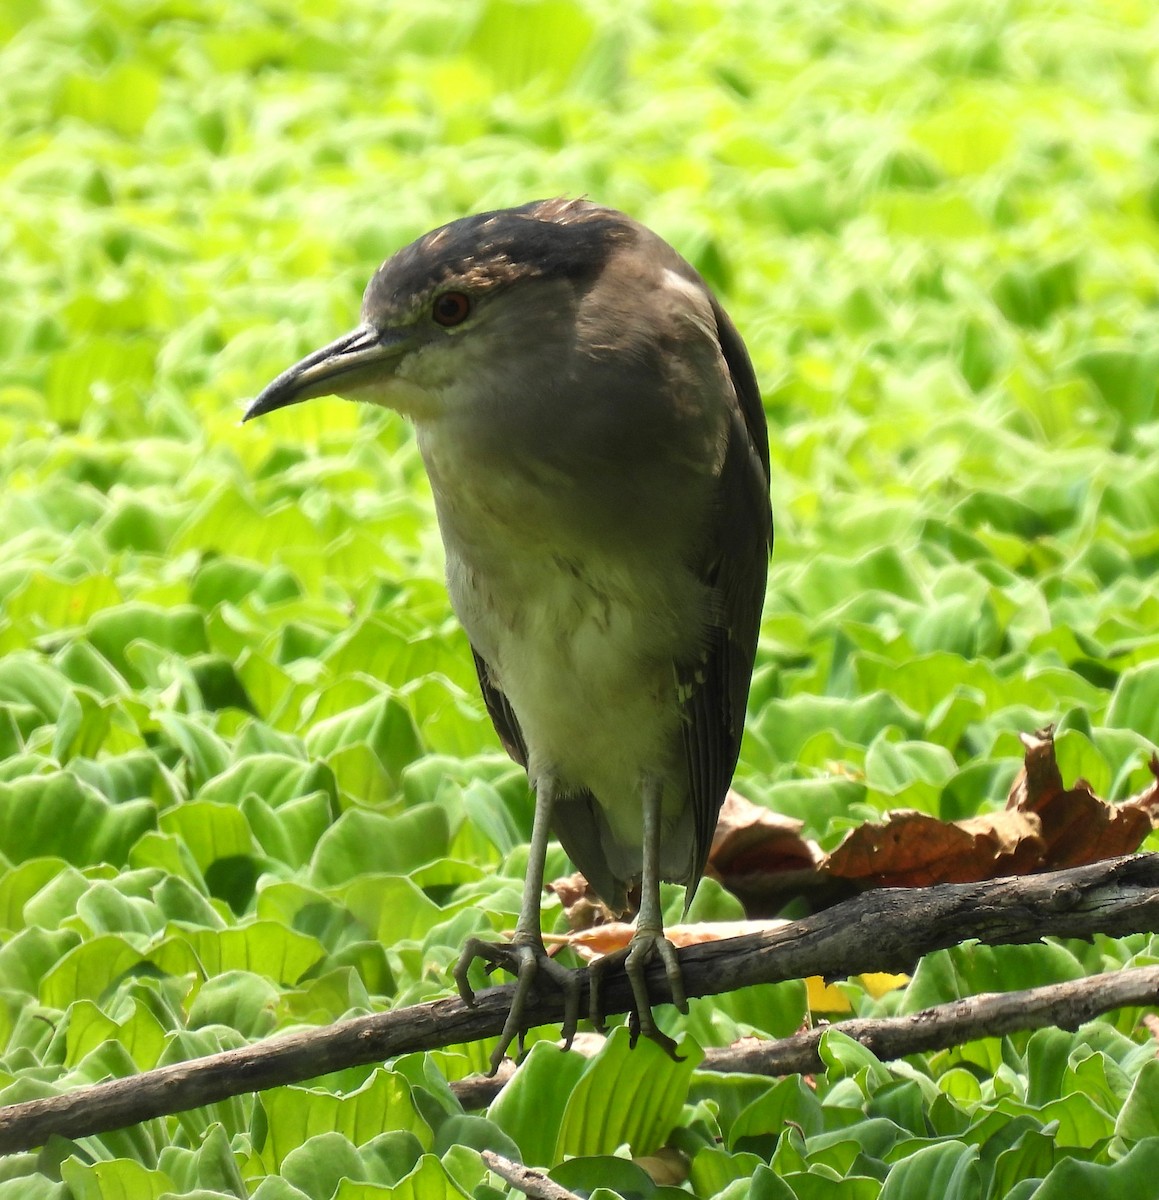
x=879, y=931
x=1063, y=1005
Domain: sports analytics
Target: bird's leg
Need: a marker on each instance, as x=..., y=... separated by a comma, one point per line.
x=525, y=956
x=647, y=941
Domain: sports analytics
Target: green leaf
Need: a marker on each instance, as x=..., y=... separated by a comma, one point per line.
x=625, y=1095
x=33, y=1187
x=204, y=754
x=1135, y=702
x=291, y=833
x=786, y=726
x=788, y=1100
x=584, y=1175
x=180, y=630
x=294, y=1114
x=362, y=842
x=211, y=1166
x=1139, y=1117
x=275, y=778
x=116, y=1179
x=26, y=958
x=274, y=1187
x=1132, y=1175
x=541, y=40
x=58, y=815
x=321, y=1163
x=242, y=1000
x=382, y=724
x=122, y=98
x=531, y=1108
x=947, y=1169
x=25, y=679
x=212, y=831
x=478, y=1133
x=1031, y=1157
x=264, y=947
x=87, y=969
x=428, y=1181
x=88, y=1029
x=105, y=908
x=891, y=767
x=712, y=1170
x=970, y=970
x=20, y=884
x=489, y=812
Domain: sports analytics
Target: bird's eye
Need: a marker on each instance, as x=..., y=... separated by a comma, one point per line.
x=451, y=308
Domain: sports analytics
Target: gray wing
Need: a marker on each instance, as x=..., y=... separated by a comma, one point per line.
x=736, y=567
x=501, y=713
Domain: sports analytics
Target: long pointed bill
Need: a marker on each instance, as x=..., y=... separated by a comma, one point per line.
x=363, y=356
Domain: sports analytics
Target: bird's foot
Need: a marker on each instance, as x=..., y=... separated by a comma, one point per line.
x=645, y=945
x=529, y=962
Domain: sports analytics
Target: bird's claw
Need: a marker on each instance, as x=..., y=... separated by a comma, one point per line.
x=636, y=1029
x=645, y=944
x=528, y=961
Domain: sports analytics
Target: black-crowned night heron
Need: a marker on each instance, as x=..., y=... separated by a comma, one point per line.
x=598, y=456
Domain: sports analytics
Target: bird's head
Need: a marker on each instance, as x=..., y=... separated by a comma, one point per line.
x=474, y=297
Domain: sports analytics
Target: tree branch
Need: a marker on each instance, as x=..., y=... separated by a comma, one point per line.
x=527, y=1180
x=1064, y=1005
x=879, y=931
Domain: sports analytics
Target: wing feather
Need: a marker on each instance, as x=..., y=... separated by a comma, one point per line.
x=735, y=567
x=501, y=713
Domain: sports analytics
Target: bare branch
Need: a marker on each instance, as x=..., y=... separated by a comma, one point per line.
x=1065, y=1005
x=477, y=1091
x=529, y=1181
x=879, y=931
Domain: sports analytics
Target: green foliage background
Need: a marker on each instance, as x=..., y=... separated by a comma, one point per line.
x=245, y=781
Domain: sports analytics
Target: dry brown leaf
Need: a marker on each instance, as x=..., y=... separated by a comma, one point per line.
x=1077, y=827
x=1045, y=826
x=912, y=849
x=593, y=943
x=761, y=857
x=750, y=837
x=582, y=907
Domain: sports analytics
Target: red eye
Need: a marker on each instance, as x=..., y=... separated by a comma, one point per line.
x=451, y=308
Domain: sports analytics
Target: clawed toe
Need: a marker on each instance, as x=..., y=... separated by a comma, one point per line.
x=529, y=962
x=645, y=944
x=638, y=1027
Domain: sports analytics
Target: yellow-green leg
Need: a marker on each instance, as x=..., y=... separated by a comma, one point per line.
x=647, y=941
x=525, y=956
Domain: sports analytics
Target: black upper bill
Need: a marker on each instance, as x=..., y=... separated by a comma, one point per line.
x=341, y=366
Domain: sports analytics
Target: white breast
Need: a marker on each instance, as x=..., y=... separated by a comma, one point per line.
x=585, y=653
x=582, y=640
